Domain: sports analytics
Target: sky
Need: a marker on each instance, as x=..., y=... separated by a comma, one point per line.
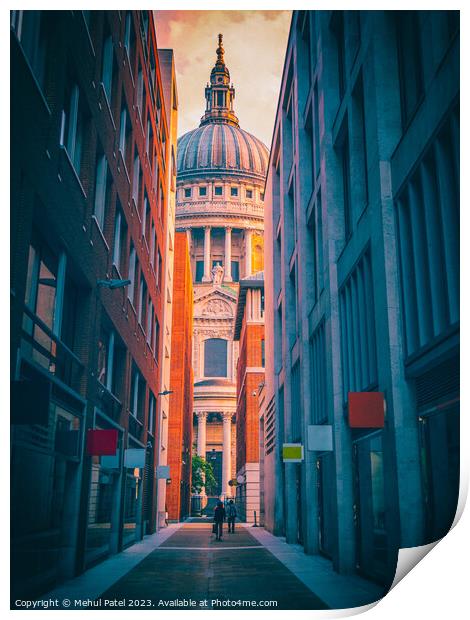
x=255, y=44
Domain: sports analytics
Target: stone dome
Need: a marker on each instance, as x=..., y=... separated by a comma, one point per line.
x=221, y=148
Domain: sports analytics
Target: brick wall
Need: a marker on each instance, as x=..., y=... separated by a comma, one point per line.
x=181, y=383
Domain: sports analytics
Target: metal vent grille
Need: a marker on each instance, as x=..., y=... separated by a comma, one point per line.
x=439, y=383
x=270, y=427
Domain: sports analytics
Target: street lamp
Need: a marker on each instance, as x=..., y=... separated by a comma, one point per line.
x=112, y=284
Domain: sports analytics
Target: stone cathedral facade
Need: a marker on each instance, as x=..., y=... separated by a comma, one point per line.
x=220, y=184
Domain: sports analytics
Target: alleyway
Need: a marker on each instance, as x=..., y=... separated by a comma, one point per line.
x=192, y=565
x=183, y=566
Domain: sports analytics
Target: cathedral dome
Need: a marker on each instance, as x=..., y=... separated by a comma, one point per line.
x=221, y=148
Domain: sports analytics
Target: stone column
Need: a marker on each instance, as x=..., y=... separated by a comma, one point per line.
x=207, y=254
x=248, y=236
x=227, y=452
x=201, y=433
x=188, y=236
x=228, y=255
x=201, y=441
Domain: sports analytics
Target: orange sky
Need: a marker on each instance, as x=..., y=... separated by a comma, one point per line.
x=255, y=45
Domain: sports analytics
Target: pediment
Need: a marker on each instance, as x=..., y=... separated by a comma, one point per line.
x=215, y=305
x=216, y=291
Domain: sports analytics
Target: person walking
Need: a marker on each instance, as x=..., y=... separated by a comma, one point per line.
x=219, y=517
x=231, y=516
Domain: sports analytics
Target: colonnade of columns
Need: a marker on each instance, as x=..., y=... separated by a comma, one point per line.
x=207, y=277
x=226, y=446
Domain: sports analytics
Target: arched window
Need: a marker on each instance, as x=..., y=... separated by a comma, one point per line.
x=215, y=357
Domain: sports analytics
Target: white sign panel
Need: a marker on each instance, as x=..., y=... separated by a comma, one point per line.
x=134, y=457
x=320, y=438
x=163, y=472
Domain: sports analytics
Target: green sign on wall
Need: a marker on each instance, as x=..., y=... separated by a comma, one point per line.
x=292, y=452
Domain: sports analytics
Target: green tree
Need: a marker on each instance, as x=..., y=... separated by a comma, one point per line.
x=202, y=475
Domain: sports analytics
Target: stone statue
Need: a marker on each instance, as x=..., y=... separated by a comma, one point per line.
x=217, y=274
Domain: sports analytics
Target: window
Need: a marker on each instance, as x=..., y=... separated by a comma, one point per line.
x=199, y=270
x=151, y=416
x=410, y=62
x=187, y=192
x=146, y=217
x=342, y=148
x=136, y=180
x=73, y=124
x=428, y=233
x=149, y=138
x=106, y=359
x=129, y=40
x=156, y=345
x=152, y=68
x=108, y=67
x=338, y=31
x=52, y=296
x=101, y=189
x=31, y=28
x=262, y=353
x=215, y=357
x=218, y=190
x=261, y=196
x=120, y=239
x=42, y=283
x=235, y=271
x=140, y=91
x=145, y=27
x=358, y=339
x=359, y=147
x=319, y=412
x=316, y=128
x=203, y=191
x=153, y=244
x=132, y=273
x=234, y=191
x=315, y=246
x=249, y=193
x=142, y=310
x=125, y=135
x=296, y=403
x=158, y=269
x=354, y=32
x=150, y=322
x=161, y=202
x=136, y=405
x=292, y=305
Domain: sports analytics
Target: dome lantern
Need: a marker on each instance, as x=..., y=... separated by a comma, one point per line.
x=219, y=93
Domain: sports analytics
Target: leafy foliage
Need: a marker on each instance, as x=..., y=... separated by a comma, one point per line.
x=202, y=475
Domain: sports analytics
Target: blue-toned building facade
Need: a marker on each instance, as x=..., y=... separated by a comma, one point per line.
x=362, y=285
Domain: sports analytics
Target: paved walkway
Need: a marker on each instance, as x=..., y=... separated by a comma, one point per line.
x=184, y=567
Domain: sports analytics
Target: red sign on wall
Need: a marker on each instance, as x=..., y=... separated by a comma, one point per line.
x=101, y=442
x=366, y=409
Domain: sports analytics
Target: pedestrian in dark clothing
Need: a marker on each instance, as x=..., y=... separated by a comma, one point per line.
x=231, y=516
x=219, y=516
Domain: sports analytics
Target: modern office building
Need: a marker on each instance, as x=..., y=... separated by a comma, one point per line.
x=180, y=421
x=91, y=148
x=249, y=333
x=362, y=287
x=220, y=182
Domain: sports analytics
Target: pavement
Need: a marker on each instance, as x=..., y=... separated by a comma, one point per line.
x=184, y=567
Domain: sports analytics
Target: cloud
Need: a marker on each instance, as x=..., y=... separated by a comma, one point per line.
x=255, y=44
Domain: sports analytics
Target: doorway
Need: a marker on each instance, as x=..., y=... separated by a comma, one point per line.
x=369, y=507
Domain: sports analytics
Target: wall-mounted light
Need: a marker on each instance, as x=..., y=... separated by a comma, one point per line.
x=113, y=283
